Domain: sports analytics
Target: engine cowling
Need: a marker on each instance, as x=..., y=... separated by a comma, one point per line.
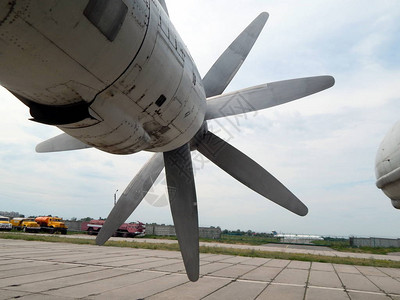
x=387, y=165
x=113, y=74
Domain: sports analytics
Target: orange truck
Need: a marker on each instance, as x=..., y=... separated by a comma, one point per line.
x=52, y=224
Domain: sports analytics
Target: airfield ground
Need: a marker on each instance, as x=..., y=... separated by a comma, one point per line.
x=42, y=270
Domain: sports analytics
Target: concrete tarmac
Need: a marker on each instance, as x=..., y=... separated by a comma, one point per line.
x=39, y=270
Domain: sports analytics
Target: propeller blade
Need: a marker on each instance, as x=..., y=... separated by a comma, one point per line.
x=265, y=96
x=248, y=172
x=183, y=202
x=229, y=63
x=62, y=142
x=131, y=197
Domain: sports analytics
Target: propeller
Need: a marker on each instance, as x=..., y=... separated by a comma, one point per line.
x=183, y=203
x=131, y=197
x=62, y=142
x=178, y=163
x=265, y=96
x=248, y=172
x=229, y=63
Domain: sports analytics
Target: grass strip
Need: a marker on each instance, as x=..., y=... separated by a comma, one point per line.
x=213, y=250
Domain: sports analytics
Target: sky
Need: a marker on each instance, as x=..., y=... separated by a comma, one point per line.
x=321, y=147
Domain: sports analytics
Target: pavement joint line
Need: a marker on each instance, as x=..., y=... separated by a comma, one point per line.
x=354, y=291
x=387, y=274
x=66, y=276
x=161, y=272
x=212, y=255
x=235, y=264
x=308, y=281
x=116, y=260
x=252, y=281
x=394, y=295
x=368, y=292
x=170, y=288
x=326, y=288
x=268, y=260
x=272, y=280
x=11, y=276
x=341, y=281
x=223, y=268
x=254, y=268
x=27, y=294
x=288, y=284
x=18, y=263
x=220, y=277
x=365, y=276
x=173, y=263
x=86, y=282
x=82, y=263
x=140, y=282
x=222, y=287
x=208, y=263
x=77, y=264
x=90, y=254
x=135, y=270
x=125, y=266
x=217, y=277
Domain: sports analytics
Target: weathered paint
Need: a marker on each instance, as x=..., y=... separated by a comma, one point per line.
x=111, y=65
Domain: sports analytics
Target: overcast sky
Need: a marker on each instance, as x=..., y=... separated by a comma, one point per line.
x=322, y=147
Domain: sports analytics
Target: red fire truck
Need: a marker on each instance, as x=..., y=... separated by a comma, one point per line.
x=125, y=230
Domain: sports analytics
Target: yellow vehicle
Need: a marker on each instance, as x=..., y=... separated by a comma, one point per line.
x=5, y=223
x=25, y=224
x=52, y=224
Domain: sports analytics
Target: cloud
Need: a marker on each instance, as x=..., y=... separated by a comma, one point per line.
x=322, y=147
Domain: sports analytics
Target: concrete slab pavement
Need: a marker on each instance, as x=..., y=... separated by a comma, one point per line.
x=29, y=271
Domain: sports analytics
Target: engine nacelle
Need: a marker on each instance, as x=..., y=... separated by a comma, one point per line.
x=112, y=73
x=387, y=165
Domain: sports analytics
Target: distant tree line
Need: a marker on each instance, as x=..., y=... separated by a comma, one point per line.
x=11, y=214
x=14, y=214
x=86, y=219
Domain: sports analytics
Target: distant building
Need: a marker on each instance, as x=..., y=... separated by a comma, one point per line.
x=298, y=238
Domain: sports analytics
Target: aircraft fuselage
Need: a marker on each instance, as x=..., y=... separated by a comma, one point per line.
x=115, y=76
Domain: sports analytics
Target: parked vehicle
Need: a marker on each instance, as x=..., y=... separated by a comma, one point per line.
x=5, y=223
x=25, y=224
x=52, y=224
x=125, y=230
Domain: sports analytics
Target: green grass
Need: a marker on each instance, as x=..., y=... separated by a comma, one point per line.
x=157, y=237
x=227, y=239
x=343, y=245
x=246, y=240
x=368, y=250
x=211, y=250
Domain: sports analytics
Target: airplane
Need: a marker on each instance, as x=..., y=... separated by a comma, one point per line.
x=387, y=165
x=115, y=75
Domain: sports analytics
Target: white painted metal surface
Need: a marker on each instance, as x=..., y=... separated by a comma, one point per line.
x=387, y=165
x=139, y=91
